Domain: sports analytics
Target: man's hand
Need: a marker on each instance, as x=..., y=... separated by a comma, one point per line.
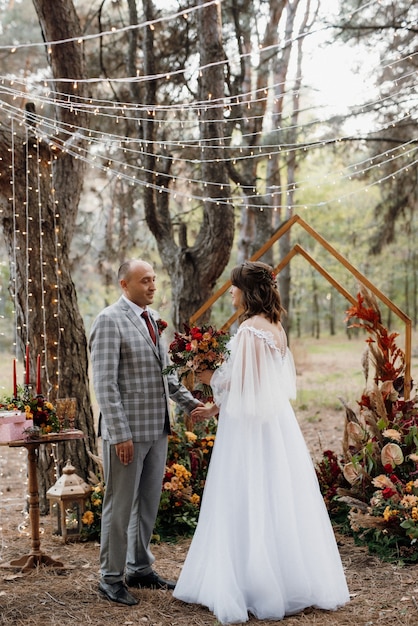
x=204, y=412
x=125, y=451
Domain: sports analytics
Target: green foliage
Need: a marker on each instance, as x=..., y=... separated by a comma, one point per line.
x=387, y=546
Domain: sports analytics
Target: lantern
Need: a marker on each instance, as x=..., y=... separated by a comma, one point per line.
x=68, y=497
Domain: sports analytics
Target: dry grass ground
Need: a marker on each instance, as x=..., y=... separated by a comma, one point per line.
x=381, y=594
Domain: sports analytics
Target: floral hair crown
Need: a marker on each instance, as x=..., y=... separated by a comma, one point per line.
x=268, y=276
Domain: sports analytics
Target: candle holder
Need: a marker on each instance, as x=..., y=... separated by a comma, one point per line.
x=72, y=408
x=61, y=406
x=27, y=392
x=66, y=412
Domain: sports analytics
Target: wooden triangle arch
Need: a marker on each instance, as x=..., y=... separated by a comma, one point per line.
x=297, y=249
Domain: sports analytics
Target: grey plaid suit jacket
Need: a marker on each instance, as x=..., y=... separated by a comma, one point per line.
x=130, y=389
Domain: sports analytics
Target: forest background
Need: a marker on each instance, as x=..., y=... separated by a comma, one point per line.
x=188, y=132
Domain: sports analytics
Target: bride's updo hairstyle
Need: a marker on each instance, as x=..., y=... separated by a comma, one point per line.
x=260, y=294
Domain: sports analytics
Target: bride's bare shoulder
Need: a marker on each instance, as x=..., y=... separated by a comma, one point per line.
x=261, y=323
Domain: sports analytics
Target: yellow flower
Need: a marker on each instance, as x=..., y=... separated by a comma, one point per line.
x=190, y=436
x=414, y=514
x=195, y=499
x=88, y=518
x=389, y=513
x=181, y=471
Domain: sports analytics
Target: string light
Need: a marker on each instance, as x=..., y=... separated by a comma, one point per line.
x=112, y=31
x=96, y=138
x=14, y=263
x=101, y=149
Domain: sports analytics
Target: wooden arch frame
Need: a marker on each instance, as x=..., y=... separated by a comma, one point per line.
x=297, y=249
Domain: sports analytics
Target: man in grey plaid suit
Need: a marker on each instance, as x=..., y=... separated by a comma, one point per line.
x=132, y=394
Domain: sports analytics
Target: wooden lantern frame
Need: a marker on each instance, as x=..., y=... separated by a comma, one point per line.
x=69, y=492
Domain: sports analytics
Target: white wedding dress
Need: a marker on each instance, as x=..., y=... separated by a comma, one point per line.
x=264, y=543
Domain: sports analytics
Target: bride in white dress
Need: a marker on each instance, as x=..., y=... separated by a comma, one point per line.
x=264, y=543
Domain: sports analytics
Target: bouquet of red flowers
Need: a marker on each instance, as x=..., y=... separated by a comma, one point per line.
x=198, y=348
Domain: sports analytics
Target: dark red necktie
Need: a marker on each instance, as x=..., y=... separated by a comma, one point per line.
x=149, y=326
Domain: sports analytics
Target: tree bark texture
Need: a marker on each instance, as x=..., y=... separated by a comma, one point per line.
x=193, y=269
x=39, y=196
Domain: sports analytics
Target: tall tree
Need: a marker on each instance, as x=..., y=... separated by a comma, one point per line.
x=389, y=28
x=194, y=267
x=39, y=198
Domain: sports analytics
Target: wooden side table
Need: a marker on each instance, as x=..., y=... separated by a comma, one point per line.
x=36, y=556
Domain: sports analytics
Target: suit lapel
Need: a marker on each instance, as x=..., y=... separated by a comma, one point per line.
x=131, y=315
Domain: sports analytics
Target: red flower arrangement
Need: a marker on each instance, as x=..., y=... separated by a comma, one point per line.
x=198, y=348
x=38, y=409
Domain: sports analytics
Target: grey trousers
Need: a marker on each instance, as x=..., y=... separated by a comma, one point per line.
x=130, y=508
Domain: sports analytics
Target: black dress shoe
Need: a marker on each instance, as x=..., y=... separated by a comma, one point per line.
x=151, y=581
x=117, y=592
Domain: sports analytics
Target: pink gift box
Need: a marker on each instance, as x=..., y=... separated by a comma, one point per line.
x=12, y=425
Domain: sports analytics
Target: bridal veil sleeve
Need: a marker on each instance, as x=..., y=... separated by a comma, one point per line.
x=258, y=376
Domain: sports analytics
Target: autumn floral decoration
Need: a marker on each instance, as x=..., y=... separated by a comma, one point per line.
x=43, y=414
x=378, y=478
x=387, y=357
x=198, y=348
x=36, y=408
x=188, y=458
x=93, y=514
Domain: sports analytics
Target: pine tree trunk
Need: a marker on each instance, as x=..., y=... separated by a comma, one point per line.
x=40, y=201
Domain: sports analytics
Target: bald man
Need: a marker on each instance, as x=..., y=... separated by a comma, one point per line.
x=128, y=358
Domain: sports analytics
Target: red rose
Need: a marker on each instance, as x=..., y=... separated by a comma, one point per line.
x=387, y=492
